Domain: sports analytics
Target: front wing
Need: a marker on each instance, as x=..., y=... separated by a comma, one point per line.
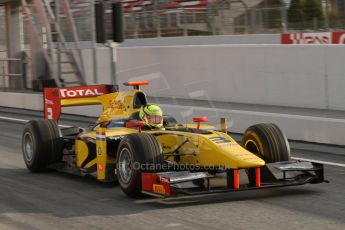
x=280, y=174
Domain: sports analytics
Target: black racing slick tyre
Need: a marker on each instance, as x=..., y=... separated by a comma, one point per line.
x=134, y=152
x=268, y=142
x=41, y=144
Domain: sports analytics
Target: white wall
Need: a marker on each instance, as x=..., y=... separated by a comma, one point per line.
x=103, y=65
x=300, y=76
x=335, y=83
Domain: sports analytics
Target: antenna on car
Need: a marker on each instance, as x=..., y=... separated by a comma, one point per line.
x=136, y=84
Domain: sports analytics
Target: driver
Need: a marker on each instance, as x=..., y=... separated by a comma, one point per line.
x=152, y=115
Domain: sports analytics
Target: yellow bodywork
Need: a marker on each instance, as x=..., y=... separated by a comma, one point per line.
x=118, y=105
x=209, y=148
x=101, y=150
x=203, y=150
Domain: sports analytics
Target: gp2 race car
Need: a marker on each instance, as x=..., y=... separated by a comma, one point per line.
x=177, y=159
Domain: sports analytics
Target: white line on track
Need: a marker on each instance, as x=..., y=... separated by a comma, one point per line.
x=295, y=158
x=24, y=121
x=321, y=162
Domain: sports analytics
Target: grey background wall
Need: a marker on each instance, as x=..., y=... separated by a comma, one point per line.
x=103, y=65
x=103, y=53
x=309, y=76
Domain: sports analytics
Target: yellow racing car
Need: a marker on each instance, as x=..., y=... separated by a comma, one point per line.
x=168, y=161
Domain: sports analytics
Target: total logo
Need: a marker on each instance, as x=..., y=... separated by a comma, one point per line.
x=65, y=93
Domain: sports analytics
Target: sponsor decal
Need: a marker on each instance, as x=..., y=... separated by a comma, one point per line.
x=116, y=138
x=99, y=151
x=219, y=140
x=313, y=38
x=68, y=93
x=100, y=136
x=163, y=179
x=157, y=188
x=224, y=145
x=166, y=147
x=49, y=102
x=117, y=104
x=49, y=113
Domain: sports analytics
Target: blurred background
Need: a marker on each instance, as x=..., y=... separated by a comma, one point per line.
x=148, y=18
x=27, y=28
x=223, y=17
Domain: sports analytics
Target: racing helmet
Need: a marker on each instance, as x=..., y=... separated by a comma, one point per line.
x=152, y=115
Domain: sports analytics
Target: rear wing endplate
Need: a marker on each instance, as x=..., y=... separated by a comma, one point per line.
x=55, y=98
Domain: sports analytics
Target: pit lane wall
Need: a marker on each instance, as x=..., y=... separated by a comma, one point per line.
x=306, y=76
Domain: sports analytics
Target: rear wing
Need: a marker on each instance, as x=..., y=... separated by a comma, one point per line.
x=55, y=98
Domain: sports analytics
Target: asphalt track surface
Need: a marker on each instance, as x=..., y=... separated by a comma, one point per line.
x=59, y=201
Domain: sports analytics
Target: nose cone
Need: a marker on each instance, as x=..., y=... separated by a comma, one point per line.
x=239, y=157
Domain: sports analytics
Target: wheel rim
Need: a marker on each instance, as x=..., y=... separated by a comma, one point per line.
x=125, y=165
x=252, y=147
x=28, y=146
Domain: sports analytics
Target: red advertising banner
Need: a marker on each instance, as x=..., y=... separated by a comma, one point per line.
x=313, y=38
x=338, y=38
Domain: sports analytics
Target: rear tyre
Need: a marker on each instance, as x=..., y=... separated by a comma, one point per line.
x=41, y=144
x=136, y=150
x=268, y=142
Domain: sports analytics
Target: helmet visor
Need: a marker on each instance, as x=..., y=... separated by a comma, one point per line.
x=154, y=119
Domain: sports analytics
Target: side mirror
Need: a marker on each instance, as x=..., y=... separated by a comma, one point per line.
x=198, y=120
x=135, y=124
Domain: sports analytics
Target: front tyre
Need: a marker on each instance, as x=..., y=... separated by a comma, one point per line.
x=268, y=142
x=134, y=152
